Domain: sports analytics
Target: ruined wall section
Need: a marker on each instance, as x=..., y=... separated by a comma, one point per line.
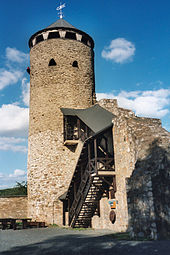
x=148, y=192
x=148, y=187
x=133, y=139
x=13, y=207
x=139, y=204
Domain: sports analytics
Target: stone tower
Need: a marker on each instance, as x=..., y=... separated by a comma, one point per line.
x=61, y=75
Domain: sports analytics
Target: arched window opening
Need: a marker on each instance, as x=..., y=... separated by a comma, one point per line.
x=53, y=35
x=39, y=38
x=70, y=35
x=75, y=64
x=52, y=62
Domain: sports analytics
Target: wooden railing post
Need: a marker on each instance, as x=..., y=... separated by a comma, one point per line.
x=78, y=126
x=95, y=154
x=89, y=157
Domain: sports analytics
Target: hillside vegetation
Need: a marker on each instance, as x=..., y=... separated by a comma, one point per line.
x=19, y=190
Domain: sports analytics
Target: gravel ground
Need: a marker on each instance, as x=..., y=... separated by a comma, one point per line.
x=66, y=241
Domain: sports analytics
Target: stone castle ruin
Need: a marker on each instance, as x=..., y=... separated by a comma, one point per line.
x=90, y=164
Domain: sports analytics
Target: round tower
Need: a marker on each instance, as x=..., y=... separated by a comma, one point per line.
x=61, y=76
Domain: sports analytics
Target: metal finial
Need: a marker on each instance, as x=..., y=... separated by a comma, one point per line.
x=60, y=10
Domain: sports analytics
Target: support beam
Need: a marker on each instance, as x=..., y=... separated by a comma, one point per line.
x=78, y=126
x=89, y=157
x=95, y=154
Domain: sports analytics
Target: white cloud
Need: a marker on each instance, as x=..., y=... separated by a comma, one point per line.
x=13, y=144
x=9, y=77
x=105, y=95
x=15, y=55
x=25, y=91
x=18, y=173
x=119, y=51
x=14, y=120
x=13, y=72
x=144, y=103
x=10, y=180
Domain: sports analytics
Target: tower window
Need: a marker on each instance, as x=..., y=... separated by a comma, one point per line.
x=31, y=44
x=70, y=35
x=52, y=62
x=53, y=35
x=84, y=40
x=75, y=64
x=39, y=38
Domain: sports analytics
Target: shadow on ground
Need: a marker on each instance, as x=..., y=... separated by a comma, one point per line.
x=79, y=243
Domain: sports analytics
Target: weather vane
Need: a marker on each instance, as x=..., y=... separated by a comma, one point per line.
x=60, y=9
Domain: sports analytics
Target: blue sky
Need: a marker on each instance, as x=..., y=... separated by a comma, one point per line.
x=132, y=63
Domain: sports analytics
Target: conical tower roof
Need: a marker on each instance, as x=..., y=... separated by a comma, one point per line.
x=61, y=23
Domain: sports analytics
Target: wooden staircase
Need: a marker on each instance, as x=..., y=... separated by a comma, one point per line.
x=90, y=206
x=93, y=177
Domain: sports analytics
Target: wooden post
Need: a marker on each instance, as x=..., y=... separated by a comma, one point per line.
x=86, y=131
x=89, y=155
x=69, y=212
x=98, y=207
x=95, y=154
x=78, y=126
x=114, y=183
x=106, y=144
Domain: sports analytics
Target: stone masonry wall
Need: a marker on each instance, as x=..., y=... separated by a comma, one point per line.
x=140, y=212
x=54, y=87
x=13, y=207
x=50, y=163
x=149, y=193
x=51, y=166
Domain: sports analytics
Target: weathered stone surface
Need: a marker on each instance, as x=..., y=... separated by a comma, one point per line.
x=51, y=166
x=13, y=207
x=150, y=183
x=142, y=157
x=53, y=87
x=50, y=163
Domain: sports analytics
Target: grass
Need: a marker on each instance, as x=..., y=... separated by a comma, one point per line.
x=53, y=226
x=125, y=236
x=121, y=236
